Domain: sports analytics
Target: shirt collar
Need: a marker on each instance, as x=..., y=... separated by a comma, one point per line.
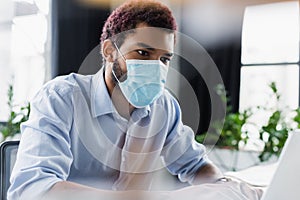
x=101, y=103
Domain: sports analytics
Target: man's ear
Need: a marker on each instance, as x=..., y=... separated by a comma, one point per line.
x=108, y=50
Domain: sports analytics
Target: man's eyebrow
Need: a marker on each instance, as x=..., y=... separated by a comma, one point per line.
x=169, y=54
x=146, y=46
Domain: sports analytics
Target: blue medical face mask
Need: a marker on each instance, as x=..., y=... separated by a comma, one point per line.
x=145, y=81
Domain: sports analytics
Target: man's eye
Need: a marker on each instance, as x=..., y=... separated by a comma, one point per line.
x=142, y=52
x=165, y=60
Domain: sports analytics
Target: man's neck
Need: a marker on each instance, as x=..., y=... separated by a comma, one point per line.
x=121, y=104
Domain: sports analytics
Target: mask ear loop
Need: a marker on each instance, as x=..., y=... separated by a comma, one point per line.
x=113, y=72
x=119, y=52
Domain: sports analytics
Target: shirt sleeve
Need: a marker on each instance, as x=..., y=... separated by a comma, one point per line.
x=44, y=156
x=182, y=155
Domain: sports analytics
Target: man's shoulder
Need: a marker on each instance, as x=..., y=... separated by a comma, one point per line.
x=168, y=100
x=67, y=83
x=168, y=97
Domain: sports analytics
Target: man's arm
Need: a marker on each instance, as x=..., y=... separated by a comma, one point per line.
x=69, y=190
x=66, y=189
x=208, y=173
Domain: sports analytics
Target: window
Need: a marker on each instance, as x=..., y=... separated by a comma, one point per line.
x=24, y=49
x=270, y=53
x=271, y=33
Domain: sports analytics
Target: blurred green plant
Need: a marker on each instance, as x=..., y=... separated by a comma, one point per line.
x=297, y=117
x=17, y=115
x=273, y=134
x=228, y=134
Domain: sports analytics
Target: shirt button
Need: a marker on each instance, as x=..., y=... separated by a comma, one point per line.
x=123, y=159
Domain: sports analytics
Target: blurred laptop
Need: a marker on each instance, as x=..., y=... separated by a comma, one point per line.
x=285, y=182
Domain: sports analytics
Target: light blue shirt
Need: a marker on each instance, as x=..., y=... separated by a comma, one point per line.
x=75, y=134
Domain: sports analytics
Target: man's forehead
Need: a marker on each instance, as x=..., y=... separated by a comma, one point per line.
x=156, y=38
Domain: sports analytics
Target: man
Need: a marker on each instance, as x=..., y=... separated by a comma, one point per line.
x=112, y=130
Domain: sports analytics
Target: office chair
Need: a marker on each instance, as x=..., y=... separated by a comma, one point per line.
x=8, y=157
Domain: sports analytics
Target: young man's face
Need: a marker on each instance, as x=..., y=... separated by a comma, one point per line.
x=146, y=43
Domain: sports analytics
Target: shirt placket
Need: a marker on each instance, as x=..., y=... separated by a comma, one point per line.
x=138, y=161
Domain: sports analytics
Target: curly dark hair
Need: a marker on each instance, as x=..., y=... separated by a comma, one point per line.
x=134, y=12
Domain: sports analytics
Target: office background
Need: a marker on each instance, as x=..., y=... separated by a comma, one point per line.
x=252, y=43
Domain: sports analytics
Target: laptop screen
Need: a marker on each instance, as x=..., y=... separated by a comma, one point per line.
x=285, y=182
